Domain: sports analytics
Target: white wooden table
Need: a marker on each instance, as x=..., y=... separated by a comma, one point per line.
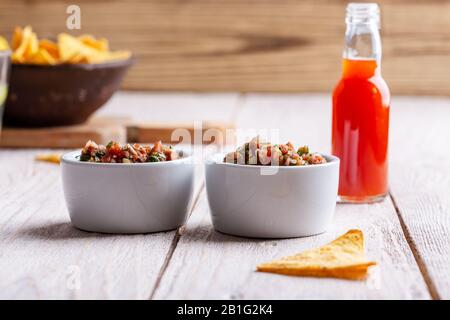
x=43, y=256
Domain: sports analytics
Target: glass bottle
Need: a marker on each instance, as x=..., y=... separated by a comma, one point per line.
x=361, y=102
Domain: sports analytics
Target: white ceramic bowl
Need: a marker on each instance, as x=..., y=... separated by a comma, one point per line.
x=127, y=198
x=293, y=202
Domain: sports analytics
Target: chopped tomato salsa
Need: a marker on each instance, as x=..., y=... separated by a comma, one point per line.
x=256, y=152
x=114, y=152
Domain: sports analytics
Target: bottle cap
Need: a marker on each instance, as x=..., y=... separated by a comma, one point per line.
x=363, y=13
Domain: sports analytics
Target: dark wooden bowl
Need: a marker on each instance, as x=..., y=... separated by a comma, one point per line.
x=60, y=95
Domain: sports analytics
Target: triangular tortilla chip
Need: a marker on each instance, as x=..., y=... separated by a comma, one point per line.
x=42, y=57
x=109, y=56
x=99, y=44
x=51, y=47
x=17, y=37
x=53, y=158
x=341, y=258
x=3, y=44
x=28, y=46
x=70, y=47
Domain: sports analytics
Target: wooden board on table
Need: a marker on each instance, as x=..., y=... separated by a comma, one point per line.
x=157, y=116
x=178, y=132
x=136, y=117
x=76, y=136
x=101, y=130
x=44, y=257
x=267, y=45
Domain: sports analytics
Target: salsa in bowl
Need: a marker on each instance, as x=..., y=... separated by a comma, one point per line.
x=115, y=152
x=127, y=197
x=264, y=201
x=257, y=152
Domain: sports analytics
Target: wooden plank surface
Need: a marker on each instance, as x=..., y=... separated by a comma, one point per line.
x=169, y=108
x=419, y=180
x=420, y=184
x=210, y=265
x=43, y=257
x=251, y=45
x=135, y=117
x=302, y=119
x=155, y=117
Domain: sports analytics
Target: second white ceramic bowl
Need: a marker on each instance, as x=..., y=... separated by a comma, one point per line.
x=127, y=198
x=253, y=201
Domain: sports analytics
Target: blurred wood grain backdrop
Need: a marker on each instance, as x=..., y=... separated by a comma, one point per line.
x=251, y=45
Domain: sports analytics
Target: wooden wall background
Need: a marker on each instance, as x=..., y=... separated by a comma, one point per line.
x=251, y=45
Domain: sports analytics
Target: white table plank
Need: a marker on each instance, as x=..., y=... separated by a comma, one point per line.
x=40, y=254
x=419, y=180
x=172, y=108
x=301, y=119
x=210, y=265
x=43, y=257
x=207, y=264
x=420, y=184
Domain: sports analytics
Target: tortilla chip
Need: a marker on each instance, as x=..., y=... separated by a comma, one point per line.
x=79, y=58
x=28, y=46
x=51, y=47
x=42, y=57
x=341, y=258
x=17, y=38
x=52, y=158
x=109, y=56
x=69, y=47
x=3, y=44
x=18, y=45
x=101, y=44
x=33, y=46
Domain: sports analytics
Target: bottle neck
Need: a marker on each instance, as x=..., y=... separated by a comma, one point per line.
x=363, y=46
x=362, y=36
x=362, y=42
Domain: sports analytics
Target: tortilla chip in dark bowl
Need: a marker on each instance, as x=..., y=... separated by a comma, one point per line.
x=59, y=95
